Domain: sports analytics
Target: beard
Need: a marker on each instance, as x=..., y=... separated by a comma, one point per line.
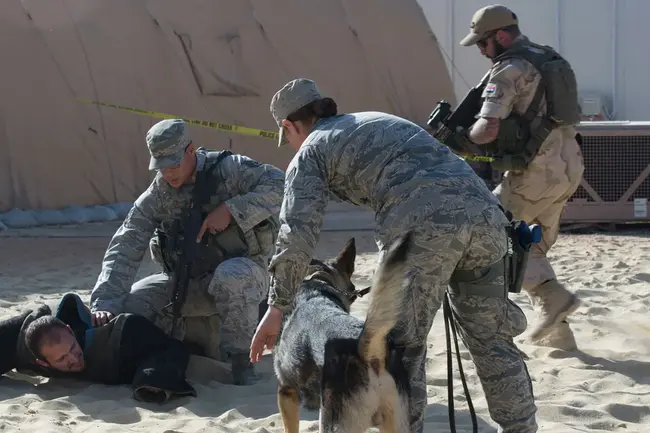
x=498, y=50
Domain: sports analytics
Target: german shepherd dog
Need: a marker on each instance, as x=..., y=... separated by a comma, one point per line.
x=349, y=368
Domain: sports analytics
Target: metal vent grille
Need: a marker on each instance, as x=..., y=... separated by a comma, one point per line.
x=613, y=164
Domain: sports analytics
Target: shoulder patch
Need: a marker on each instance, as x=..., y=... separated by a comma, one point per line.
x=490, y=89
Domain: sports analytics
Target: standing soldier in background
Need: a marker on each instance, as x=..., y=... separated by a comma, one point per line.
x=228, y=278
x=412, y=183
x=531, y=92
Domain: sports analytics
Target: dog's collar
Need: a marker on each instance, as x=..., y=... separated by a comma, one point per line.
x=325, y=277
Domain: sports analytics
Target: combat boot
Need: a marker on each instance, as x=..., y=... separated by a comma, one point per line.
x=555, y=303
x=243, y=371
x=559, y=336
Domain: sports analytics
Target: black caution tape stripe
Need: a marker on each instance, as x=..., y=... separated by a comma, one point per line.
x=230, y=128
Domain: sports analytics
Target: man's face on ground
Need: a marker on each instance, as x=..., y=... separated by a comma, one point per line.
x=62, y=352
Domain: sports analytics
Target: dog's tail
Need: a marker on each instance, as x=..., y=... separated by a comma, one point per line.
x=387, y=297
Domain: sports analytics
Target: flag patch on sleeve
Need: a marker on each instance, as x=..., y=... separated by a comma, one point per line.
x=490, y=89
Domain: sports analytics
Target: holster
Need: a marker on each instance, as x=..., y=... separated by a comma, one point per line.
x=512, y=266
x=213, y=248
x=517, y=259
x=521, y=238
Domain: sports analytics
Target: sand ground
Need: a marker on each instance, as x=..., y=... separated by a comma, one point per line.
x=605, y=386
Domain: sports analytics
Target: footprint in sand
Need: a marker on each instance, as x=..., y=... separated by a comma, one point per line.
x=596, y=311
x=627, y=412
x=642, y=276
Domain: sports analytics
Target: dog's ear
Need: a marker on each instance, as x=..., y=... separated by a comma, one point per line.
x=345, y=261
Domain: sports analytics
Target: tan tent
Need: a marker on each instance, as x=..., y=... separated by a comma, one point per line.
x=218, y=60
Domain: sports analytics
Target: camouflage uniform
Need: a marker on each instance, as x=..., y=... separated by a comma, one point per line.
x=538, y=194
x=225, y=299
x=411, y=182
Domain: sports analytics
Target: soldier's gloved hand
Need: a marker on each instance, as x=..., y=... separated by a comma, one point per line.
x=216, y=221
x=465, y=145
x=100, y=318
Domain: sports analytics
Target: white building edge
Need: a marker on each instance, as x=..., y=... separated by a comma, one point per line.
x=606, y=42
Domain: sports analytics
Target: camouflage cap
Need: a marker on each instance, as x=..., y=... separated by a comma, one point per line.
x=167, y=141
x=486, y=20
x=291, y=97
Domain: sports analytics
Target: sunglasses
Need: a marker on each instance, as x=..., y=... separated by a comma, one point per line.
x=483, y=42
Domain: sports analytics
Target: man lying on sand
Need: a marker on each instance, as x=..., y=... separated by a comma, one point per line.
x=128, y=349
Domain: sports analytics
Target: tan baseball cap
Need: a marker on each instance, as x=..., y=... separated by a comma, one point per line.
x=486, y=20
x=291, y=97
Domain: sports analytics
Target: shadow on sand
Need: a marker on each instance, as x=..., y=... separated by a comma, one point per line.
x=107, y=403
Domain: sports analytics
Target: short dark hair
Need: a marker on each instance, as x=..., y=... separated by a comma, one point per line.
x=512, y=29
x=41, y=329
x=318, y=109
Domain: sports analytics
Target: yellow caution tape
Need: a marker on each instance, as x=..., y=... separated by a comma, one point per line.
x=205, y=123
x=477, y=158
x=232, y=128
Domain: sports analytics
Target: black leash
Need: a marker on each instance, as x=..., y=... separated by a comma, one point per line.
x=362, y=292
x=450, y=322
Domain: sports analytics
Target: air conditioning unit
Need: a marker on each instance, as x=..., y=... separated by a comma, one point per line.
x=616, y=183
x=591, y=105
x=615, y=186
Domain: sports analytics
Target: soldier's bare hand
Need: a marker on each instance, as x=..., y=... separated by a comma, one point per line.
x=99, y=318
x=266, y=333
x=216, y=221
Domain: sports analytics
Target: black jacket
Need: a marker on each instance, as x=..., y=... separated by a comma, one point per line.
x=127, y=350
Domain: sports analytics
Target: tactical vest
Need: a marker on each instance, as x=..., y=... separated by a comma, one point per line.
x=521, y=136
x=213, y=248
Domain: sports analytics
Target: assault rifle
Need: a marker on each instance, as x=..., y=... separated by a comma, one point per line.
x=186, y=243
x=190, y=225
x=450, y=127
